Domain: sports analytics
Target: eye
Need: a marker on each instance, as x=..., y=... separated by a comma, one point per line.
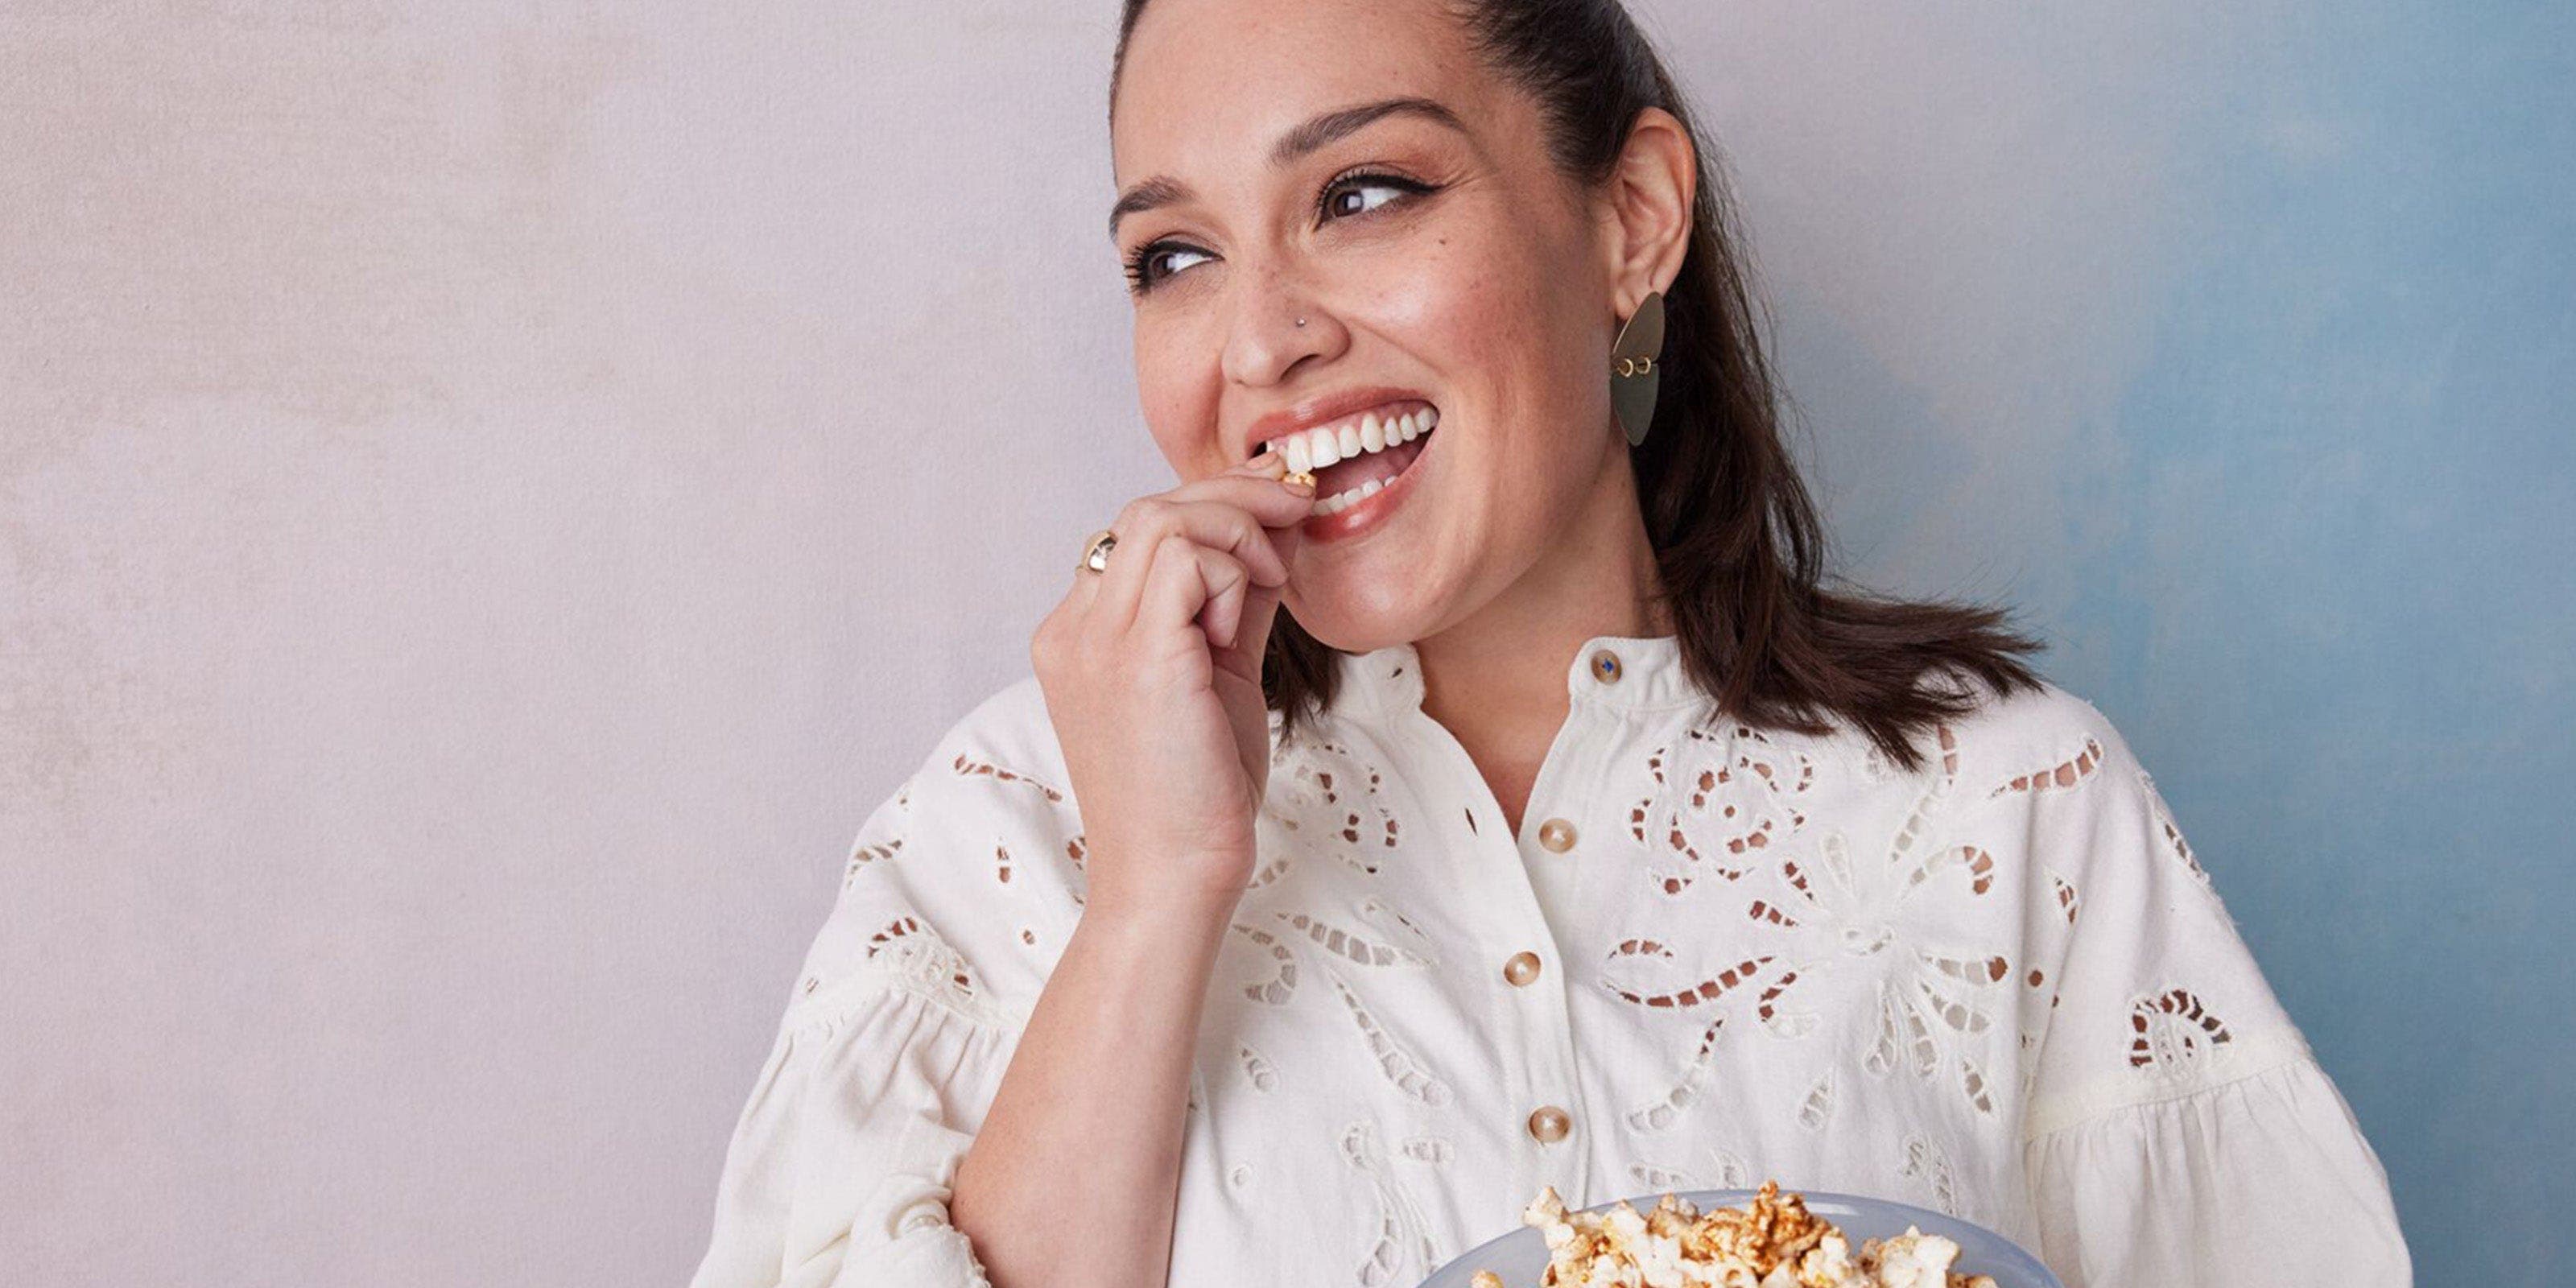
x=1141, y=273
x=1144, y=271
x=1333, y=206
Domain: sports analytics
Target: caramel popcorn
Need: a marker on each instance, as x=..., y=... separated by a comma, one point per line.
x=1771, y=1242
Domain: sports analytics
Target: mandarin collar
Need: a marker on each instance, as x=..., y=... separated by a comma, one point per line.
x=1615, y=672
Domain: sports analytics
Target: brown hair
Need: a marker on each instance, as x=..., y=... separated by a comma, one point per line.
x=1738, y=547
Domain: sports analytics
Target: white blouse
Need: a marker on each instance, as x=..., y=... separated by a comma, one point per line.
x=2000, y=986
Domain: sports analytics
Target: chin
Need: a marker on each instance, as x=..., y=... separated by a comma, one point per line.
x=1360, y=623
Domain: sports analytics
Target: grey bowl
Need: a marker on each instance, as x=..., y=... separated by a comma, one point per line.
x=1520, y=1256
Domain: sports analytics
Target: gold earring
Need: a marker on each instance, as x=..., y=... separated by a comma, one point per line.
x=1634, y=371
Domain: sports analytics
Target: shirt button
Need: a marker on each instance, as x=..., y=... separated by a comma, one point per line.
x=1605, y=666
x=1557, y=835
x=1521, y=969
x=1548, y=1124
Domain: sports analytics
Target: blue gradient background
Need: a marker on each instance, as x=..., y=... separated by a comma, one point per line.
x=2234, y=348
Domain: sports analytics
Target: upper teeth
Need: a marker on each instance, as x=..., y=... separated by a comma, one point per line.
x=1313, y=449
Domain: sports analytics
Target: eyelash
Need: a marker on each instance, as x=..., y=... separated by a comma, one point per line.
x=1139, y=282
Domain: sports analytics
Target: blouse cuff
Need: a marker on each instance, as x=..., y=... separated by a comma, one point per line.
x=2264, y=1181
x=916, y=1244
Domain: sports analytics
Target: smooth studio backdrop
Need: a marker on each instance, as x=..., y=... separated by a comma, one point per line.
x=491, y=495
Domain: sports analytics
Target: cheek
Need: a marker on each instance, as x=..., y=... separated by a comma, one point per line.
x=1502, y=327
x=1176, y=391
x=1464, y=304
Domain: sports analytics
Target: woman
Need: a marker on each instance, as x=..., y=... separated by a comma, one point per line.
x=1563, y=831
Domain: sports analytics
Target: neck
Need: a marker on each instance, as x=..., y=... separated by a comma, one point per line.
x=1496, y=679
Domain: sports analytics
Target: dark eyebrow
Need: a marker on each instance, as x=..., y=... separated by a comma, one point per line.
x=1163, y=190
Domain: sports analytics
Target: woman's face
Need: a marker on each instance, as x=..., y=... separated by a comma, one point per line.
x=1437, y=260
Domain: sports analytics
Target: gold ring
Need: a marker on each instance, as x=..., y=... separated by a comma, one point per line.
x=1095, y=555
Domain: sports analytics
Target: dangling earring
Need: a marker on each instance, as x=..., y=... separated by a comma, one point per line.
x=1634, y=370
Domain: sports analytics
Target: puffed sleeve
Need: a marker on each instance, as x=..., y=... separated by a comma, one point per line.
x=2179, y=1130
x=897, y=1033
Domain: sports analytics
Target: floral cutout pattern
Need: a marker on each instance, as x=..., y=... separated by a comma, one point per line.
x=1282, y=983
x=969, y=767
x=1401, y=1233
x=1726, y=1171
x=1840, y=993
x=1925, y=1161
x=1716, y=799
x=2051, y=934
x=1324, y=795
x=917, y=953
x=1398, y=1064
x=2067, y=773
x=1663, y=1111
x=2171, y=1032
x=1349, y=944
x=2173, y=834
x=1817, y=1108
x=1428, y=1149
x=1885, y=923
x=1257, y=1069
x=862, y=854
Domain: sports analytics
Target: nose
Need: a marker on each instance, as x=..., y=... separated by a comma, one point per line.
x=1267, y=340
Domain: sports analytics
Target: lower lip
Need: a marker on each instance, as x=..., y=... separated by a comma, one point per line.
x=1367, y=513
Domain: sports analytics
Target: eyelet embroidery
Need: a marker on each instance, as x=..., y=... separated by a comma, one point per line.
x=1428, y=1149
x=1926, y=995
x=2067, y=773
x=1282, y=983
x=2173, y=834
x=1818, y=1107
x=1342, y=943
x=2049, y=936
x=1665, y=1110
x=862, y=854
x=1734, y=786
x=916, y=956
x=1310, y=782
x=1878, y=921
x=1925, y=1160
x=1401, y=1231
x=968, y=767
x=1728, y=1173
x=1257, y=1068
x=1399, y=1065
x=2171, y=1032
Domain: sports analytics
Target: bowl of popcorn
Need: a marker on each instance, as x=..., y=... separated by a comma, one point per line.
x=1744, y=1239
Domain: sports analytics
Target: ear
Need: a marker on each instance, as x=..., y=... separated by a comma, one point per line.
x=1645, y=215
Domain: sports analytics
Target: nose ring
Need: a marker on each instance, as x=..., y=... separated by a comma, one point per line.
x=1301, y=321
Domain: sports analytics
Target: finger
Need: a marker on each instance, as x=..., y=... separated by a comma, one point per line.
x=1223, y=525
x=1222, y=583
x=1243, y=653
x=1216, y=525
x=1258, y=486
x=1188, y=588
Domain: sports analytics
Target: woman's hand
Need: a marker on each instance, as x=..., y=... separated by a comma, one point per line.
x=1152, y=676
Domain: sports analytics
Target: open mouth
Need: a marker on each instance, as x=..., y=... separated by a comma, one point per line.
x=1354, y=458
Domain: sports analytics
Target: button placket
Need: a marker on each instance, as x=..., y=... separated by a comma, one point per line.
x=1548, y=1072
x=1547, y=852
